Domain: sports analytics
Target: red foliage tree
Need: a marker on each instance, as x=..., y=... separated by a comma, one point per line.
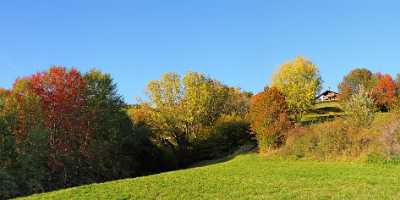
x=62, y=99
x=384, y=92
x=269, y=118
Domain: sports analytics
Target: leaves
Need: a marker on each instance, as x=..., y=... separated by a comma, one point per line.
x=269, y=118
x=360, y=108
x=357, y=78
x=299, y=80
x=384, y=92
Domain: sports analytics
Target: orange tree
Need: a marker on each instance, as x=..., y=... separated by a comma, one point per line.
x=384, y=92
x=269, y=118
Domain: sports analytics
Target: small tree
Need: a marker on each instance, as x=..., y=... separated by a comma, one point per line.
x=299, y=81
x=357, y=78
x=269, y=118
x=360, y=108
x=384, y=92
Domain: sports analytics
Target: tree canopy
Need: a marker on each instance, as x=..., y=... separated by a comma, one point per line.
x=299, y=81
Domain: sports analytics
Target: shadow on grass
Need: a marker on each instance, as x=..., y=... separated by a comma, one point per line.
x=245, y=149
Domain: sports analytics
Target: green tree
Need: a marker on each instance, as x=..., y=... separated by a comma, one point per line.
x=117, y=147
x=299, y=80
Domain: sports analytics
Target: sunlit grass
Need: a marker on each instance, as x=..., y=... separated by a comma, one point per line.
x=250, y=176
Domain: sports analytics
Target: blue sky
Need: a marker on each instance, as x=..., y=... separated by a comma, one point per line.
x=239, y=42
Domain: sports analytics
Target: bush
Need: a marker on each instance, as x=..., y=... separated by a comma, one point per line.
x=339, y=139
x=269, y=117
x=9, y=187
x=360, y=109
x=223, y=138
x=321, y=141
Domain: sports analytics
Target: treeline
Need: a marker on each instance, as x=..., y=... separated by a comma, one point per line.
x=61, y=128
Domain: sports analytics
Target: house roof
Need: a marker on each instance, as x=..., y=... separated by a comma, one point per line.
x=326, y=93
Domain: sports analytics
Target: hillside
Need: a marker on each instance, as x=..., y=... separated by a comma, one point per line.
x=323, y=111
x=250, y=176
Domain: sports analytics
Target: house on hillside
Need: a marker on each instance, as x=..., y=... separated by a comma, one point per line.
x=328, y=95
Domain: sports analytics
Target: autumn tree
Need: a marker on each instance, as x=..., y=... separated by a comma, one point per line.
x=269, y=118
x=62, y=99
x=186, y=108
x=384, y=92
x=22, y=106
x=238, y=102
x=357, y=78
x=23, y=139
x=299, y=81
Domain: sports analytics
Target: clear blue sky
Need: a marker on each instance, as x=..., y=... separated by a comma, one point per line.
x=239, y=42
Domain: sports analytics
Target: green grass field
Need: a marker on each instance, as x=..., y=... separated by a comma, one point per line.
x=250, y=176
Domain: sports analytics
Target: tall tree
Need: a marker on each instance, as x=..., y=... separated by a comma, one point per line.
x=115, y=146
x=299, y=80
x=62, y=99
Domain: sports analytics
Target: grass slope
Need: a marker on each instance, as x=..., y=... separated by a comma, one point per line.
x=323, y=111
x=250, y=176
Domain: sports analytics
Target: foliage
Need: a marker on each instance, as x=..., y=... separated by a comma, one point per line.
x=108, y=123
x=184, y=109
x=351, y=83
x=9, y=187
x=299, y=80
x=360, y=108
x=321, y=141
x=62, y=99
x=269, y=118
x=226, y=136
x=22, y=109
x=384, y=92
x=61, y=129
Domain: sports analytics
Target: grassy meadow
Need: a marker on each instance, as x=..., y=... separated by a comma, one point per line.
x=251, y=176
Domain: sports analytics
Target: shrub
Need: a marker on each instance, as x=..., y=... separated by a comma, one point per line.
x=322, y=141
x=9, y=187
x=360, y=109
x=269, y=118
x=229, y=132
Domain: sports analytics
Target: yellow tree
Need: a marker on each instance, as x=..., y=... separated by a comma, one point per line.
x=299, y=80
x=183, y=107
